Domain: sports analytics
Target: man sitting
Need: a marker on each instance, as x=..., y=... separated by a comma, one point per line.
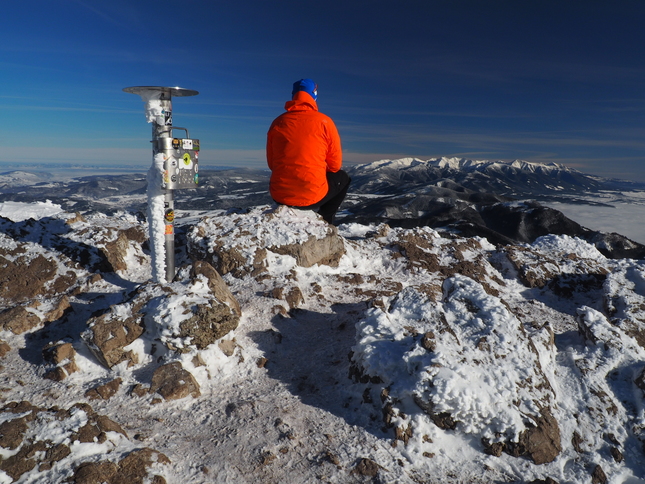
x=305, y=156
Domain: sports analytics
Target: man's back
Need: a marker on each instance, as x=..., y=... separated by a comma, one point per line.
x=302, y=146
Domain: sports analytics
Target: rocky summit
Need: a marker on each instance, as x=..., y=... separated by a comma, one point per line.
x=289, y=350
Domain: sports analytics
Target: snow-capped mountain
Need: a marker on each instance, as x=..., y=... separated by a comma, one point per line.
x=518, y=178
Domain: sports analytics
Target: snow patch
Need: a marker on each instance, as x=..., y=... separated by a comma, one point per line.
x=19, y=211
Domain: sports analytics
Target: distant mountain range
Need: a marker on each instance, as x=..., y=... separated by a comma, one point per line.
x=519, y=179
x=493, y=199
x=466, y=196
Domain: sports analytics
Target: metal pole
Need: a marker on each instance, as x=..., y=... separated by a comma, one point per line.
x=169, y=219
x=161, y=131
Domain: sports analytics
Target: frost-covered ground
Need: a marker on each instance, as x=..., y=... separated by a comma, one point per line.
x=415, y=358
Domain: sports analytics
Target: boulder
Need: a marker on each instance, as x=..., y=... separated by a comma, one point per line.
x=227, y=346
x=206, y=325
x=203, y=324
x=540, y=268
x=423, y=248
x=19, y=320
x=24, y=277
x=104, y=391
x=367, y=468
x=598, y=476
x=541, y=443
x=28, y=272
x=116, y=249
x=34, y=458
x=132, y=469
x=173, y=382
x=105, y=245
x=95, y=242
x=292, y=296
x=12, y=433
x=200, y=324
x=110, y=333
x=59, y=307
x=58, y=353
x=446, y=345
x=93, y=472
x=61, y=355
x=35, y=280
x=238, y=243
x=327, y=250
x=23, y=461
x=216, y=284
x=4, y=348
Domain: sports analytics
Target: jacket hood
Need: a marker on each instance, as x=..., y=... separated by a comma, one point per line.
x=302, y=101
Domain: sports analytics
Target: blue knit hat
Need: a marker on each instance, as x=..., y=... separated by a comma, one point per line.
x=306, y=85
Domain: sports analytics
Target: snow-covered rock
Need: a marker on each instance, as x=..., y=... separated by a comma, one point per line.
x=238, y=243
x=468, y=362
x=57, y=445
x=184, y=316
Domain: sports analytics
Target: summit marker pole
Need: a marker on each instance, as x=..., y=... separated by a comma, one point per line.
x=174, y=165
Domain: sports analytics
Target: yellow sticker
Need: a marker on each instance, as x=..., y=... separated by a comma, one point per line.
x=187, y=159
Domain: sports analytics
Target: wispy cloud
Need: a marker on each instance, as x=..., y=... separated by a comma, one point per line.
x=123, y=20
x=92, y=109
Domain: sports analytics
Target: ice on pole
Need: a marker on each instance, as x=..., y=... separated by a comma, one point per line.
x=156, y=216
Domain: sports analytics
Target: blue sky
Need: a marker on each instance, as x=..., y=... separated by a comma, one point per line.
x=542, y=81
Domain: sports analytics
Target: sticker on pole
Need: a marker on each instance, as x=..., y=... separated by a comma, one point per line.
x=187, y=162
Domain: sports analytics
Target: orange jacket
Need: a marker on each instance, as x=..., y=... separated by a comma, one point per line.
x=302, y=146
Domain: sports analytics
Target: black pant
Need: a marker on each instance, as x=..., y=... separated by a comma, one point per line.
x=338, y=184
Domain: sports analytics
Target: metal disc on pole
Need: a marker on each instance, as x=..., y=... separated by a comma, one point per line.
x=173, y=91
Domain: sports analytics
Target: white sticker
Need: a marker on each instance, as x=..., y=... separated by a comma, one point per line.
x=187, y=144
